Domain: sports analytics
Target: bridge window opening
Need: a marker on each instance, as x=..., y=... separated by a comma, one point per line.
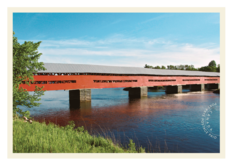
x=113, y=81
x=211, y=79
x=36, y=82
x=191, y=79
x=62, y=82
x=171, y=80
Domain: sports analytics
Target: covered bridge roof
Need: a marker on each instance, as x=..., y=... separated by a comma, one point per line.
x=85, y=68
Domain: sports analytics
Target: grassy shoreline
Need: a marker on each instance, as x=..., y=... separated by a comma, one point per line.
x=41, y=138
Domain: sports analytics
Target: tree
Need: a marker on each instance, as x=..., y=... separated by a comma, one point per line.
x=208, y=68
x=218, y=68
x=212, y=64
x=172, y=67
x=25, y=64
x=148, y=66
x=157, y=67
x=163, y=67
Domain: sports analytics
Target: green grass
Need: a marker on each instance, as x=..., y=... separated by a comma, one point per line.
x=41, y=138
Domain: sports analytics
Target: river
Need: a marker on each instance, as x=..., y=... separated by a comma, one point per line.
x=159, y=122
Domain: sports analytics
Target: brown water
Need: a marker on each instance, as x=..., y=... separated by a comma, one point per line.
x=159, y=122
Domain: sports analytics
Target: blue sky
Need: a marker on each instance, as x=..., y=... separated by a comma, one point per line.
x=122, y=39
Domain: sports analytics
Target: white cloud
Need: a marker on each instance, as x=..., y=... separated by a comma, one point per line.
x=185, y=54
x=113, y=41
x=120, y=50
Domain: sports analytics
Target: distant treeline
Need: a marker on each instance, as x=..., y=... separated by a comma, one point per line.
x=212, y=67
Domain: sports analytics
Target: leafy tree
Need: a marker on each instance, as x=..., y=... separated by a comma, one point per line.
x=163, y=67
x=148, y=66
x=218, y=68
x=212, y=64
x=25, y=64
x=208, y=68
x=172, y=67
x=157, y=67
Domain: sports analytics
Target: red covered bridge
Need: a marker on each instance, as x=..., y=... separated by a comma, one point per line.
x=81, y=78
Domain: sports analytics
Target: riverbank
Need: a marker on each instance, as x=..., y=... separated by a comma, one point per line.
x=41, y=138
x=217, y=91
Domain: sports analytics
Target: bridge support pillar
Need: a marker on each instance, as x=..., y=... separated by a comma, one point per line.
x=200, y=87
x=80, y=95
x=213, y=86
x=138, y=92
x=174, y=89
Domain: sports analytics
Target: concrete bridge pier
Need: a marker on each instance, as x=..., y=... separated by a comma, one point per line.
x=80, y=95
x=138, y=92
x=200, y=87
x=174, y=89
x=213, y=86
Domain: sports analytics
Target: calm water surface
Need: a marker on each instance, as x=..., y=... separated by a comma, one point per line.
x=159, y=122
